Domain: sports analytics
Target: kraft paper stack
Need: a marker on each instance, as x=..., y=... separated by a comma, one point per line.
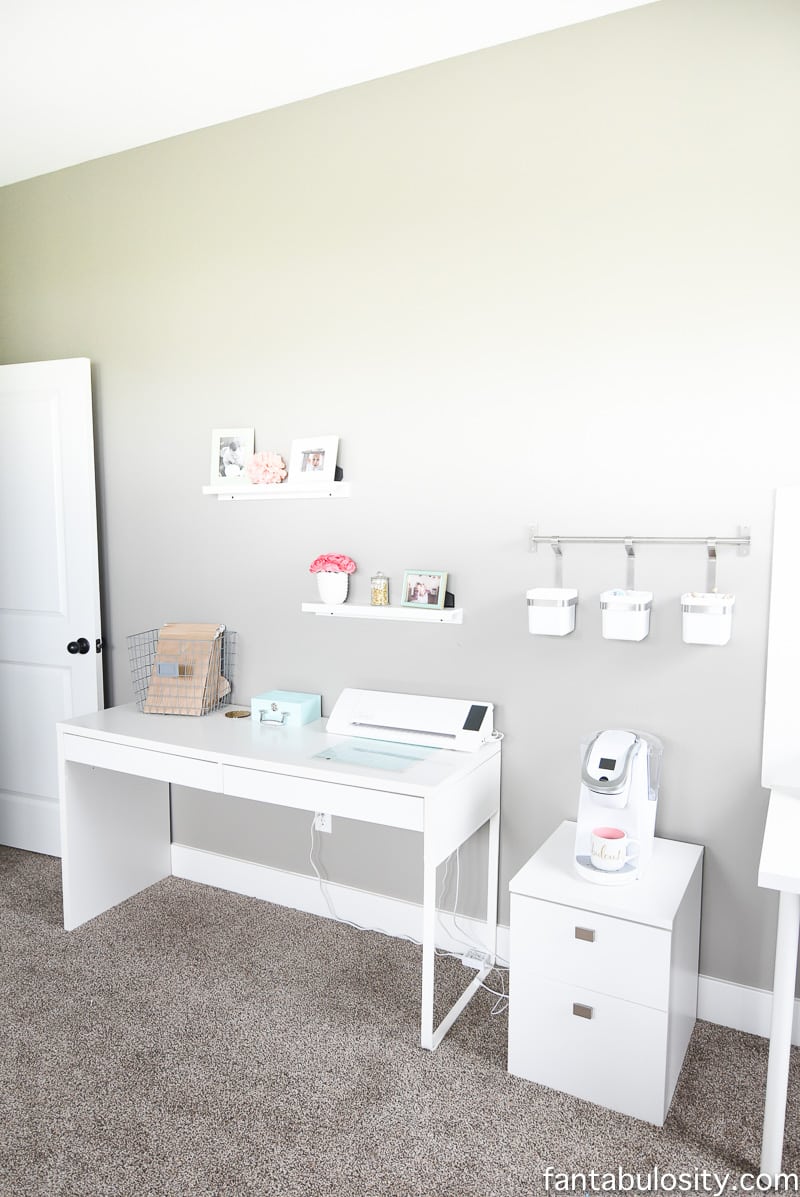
x=187, y=677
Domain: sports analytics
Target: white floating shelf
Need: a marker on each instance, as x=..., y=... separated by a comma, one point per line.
x=277, y=490
x=407, y=614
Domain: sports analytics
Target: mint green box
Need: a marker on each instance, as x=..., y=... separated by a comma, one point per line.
x=286, y=707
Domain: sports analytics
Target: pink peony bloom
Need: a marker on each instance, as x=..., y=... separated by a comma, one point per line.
x=266, y=468
x=332, y=563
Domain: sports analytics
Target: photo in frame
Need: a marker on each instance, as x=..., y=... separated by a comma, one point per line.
x=313, y=460
x=231, y=449
x=424, y=588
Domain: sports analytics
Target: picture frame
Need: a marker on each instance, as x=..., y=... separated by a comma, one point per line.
x=424, y=588
x=312, y=460
x=231, y=449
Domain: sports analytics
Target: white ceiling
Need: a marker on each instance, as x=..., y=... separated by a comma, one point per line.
x=80, y=79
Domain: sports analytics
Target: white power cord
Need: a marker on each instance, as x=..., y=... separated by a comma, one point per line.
x=347, y=922
x=502, y=996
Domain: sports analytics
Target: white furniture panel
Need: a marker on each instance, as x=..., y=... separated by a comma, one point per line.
x=277, y=491
x=604, y=979
x=144, y=762
x=573, y=945
x=779, y=867
x=400, y=614
x=781, y=751
x=600, y=1048
x=352, y=802
x=115, y=839
x=454, y=812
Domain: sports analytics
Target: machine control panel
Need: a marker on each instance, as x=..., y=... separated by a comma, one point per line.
x=607, y=761
x=475, y=718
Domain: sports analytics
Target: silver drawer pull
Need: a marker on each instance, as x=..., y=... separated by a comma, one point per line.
x=581, y=1011
x=585, y=933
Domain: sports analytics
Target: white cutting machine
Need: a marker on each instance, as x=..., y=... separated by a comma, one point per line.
x=454, y=723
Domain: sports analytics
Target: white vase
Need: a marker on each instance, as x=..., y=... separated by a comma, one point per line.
x=332, y=588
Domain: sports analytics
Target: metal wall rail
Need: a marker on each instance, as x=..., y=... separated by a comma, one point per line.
x=710, y=543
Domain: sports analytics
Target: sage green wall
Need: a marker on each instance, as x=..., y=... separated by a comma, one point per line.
x=552, y=282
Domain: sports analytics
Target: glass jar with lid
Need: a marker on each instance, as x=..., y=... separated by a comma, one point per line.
x=379, y=590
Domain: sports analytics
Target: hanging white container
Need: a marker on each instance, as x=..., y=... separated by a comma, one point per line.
x=551, y=610
x=625, y=614
x=332, y=588
x=707, y=617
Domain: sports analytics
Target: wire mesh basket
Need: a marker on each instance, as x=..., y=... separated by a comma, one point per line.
x=182, y=669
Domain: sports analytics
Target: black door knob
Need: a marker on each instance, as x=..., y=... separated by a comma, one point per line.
x=78, y=646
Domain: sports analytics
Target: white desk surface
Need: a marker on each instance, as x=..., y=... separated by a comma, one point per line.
x=653, y=899
x=275, y=749
x=779, y=867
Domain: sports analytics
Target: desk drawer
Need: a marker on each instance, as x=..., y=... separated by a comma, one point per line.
x=603, y=1049
x=145, y=762
x=614, y=956
x=303, y=793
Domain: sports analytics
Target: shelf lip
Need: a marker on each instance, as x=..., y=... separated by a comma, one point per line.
x=277, y=490
x=401, y=614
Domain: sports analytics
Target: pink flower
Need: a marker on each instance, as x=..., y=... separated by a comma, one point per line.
x=264, y=468
x=332, y=563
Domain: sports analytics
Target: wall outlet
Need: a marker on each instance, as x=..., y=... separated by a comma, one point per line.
x=323, y=822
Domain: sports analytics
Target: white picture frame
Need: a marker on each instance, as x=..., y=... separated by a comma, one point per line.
x=312, y=460
x=231, y=449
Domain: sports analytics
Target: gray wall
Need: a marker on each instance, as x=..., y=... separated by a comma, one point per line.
x=552, y=283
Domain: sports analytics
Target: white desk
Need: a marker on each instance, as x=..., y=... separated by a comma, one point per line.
x=115, y=837
x=779, y=868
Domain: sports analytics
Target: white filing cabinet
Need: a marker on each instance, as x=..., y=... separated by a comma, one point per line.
x=604, y=978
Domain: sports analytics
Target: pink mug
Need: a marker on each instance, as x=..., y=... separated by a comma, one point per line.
x=612, y=848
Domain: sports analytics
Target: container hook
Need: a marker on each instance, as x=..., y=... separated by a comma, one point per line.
x=711, y=569
x=559, y=562
x=630, y=564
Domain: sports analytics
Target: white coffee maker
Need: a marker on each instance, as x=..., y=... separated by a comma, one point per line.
x=620, y=774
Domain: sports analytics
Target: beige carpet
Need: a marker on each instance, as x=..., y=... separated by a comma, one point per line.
x=194, y=1043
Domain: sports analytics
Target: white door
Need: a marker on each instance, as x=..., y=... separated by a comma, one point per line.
x=50, y=666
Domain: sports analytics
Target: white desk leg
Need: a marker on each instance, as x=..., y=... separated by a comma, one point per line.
x=431, y=1036
x=115, y=838
x=780, y=1036
x=428, y=951
x=493, y=866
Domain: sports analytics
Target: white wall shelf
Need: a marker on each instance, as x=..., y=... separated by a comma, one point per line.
x=278, y=490
x=408, y=614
